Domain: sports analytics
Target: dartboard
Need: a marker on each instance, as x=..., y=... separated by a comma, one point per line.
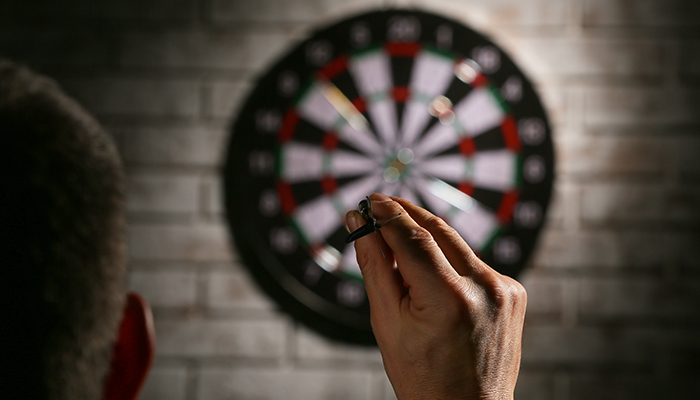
x=401, y=102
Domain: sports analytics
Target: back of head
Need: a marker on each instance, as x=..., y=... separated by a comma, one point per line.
x=62, y=240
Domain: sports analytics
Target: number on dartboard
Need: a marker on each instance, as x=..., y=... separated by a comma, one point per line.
x=350, y=293
x=404, y=29
x=528, y=214
x=283, y=240
x=488, y=58
x=261, y=163
x=532, y=131
x=507, y=250
x=288, y=83
x=534, y=169
x=512, y=89
x=269, y=204
x=319, y=52
x=360, y=35
x=268, y=121
x=443, y=36
x=312, y=273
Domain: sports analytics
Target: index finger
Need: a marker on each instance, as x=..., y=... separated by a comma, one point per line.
x=458, y=253
x=420, y=260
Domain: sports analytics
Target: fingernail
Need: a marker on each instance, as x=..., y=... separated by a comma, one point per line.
x=352, y=220
x=379, y=197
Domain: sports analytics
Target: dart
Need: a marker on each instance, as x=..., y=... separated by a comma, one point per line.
x=372, y=225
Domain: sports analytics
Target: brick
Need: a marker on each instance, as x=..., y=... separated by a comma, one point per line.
x=504, y=12
x=602, y=249
x=688, y=254
x=614, y=299
x=208, y=242
x=201, y=49
x=165, y=288
x=128, y=9
x=683, y=350
x=641, y=106
x=118, y=96
x=689, y=157
x=196, y=145
x=293, y=384
x=640, y=203
x=313, y=347
x=557, y=104
x=564, y=57
x=533, y=385
x=235, y=291
x=555, y=212
x=631, y=386
x=213, y=204
x=605, y=155
x=550, y=345
x=498, y=12
x=152, y=192
x=690, y=57
x=226, y=99
x=165, y=383
x=564, y=205
x=544, y=295
x=641, y=13
x=271, y=10
x=51, y=47
x=214, y=338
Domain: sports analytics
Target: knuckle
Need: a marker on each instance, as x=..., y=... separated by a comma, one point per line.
x=419, y=236
x=507, y=293
x=436, y=223
x=468, y=301
x=419, y=243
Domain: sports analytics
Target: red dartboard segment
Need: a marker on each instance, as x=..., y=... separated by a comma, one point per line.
x=359, y=104
x=334, y=68
x=509, y=130
x=289, y=125
x=480, y=81
x=286, y=197
x=466, y=188
x=330, y=141
x=467, y=146
x=329, y=184
x=402, y=49
x=401, y=93
x=505, y=210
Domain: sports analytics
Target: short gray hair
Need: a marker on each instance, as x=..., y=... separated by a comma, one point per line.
x=63, y=242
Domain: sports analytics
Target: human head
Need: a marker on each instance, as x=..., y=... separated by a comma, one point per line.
x=63, y=239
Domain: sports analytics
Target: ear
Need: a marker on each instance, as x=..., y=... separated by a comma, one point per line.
x=133, y=351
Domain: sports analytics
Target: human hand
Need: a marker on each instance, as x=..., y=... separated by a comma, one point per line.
x=448, y=326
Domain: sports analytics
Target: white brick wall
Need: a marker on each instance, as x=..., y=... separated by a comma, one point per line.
x=281, y=383
x=206, y=338
x=613, y=286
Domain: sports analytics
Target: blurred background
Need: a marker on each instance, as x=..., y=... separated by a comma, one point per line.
x=614, y=286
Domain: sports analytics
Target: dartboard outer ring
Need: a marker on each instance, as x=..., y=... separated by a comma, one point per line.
x=255, y=159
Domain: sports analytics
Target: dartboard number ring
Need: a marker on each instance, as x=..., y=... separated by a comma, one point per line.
x=401, y=102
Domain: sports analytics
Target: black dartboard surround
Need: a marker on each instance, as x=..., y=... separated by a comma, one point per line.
x=399, y=101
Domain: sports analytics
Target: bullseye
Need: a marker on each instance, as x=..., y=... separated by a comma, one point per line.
x=398, y=165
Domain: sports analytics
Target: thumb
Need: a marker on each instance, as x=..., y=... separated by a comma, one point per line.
x=383, y=282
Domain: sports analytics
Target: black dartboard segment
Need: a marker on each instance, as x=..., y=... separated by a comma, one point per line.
x=401, y=102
